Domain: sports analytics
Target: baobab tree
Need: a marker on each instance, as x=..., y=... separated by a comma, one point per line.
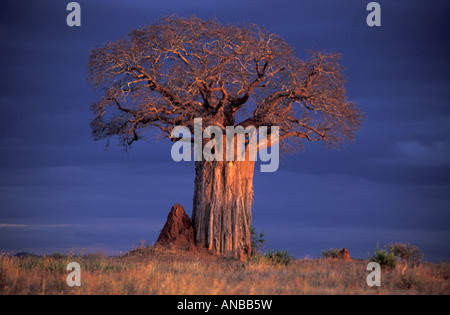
x=173, y=71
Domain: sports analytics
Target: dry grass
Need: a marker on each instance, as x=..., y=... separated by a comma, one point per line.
x=154, y=271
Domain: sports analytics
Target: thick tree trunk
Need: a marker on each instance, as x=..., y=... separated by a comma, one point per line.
x=223, y=199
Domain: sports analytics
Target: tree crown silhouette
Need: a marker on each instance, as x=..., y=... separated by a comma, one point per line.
x=177, y=69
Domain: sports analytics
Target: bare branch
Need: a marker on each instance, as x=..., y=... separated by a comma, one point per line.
x=177, y=69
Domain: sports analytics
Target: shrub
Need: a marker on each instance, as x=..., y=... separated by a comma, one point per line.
x=279, y=257
x=331, y=253
x=258, y=241
x=384, y=258
x=57, y=255
x=406, y=252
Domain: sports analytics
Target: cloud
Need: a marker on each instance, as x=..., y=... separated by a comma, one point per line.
x=421, y=154
x=35, y=226
x=395, y=175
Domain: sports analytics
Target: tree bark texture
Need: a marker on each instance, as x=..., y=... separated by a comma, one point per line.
x=223, y=199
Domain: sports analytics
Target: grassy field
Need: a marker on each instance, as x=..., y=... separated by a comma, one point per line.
x=157, y=271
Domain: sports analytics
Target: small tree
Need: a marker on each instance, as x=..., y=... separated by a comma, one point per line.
x=384, y=257
x=406, y=252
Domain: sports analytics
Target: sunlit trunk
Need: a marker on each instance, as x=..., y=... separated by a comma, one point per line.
x=221, y=213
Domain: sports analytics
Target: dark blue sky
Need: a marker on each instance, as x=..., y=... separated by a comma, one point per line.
x=60, y=190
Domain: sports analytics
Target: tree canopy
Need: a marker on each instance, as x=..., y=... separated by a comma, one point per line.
x=177, y=69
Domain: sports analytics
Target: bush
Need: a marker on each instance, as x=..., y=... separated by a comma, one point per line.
x=331, y=253
x=384, y=258
x=258, y=241
x=279, y=257
x=57, y=255
x=406, y=252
